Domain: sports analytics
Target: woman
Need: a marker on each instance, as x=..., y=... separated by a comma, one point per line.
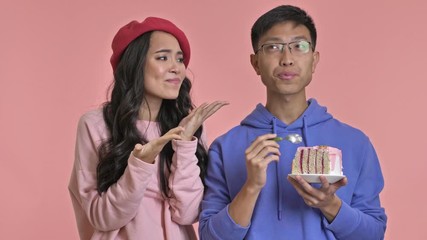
x=140, y=159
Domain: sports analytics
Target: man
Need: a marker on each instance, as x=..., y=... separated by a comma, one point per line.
x=247, y=194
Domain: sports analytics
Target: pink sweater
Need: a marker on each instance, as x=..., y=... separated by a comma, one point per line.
x=134, y=208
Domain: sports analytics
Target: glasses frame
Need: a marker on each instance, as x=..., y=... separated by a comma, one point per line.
x=285, y=44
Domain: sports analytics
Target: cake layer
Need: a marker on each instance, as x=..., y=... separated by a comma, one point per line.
x=317, y=160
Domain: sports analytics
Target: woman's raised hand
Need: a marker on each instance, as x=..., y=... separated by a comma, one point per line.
x=197, y=116
x=185, y=131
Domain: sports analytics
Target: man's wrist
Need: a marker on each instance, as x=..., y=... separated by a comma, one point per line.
x=331, y=211
x=250, y=189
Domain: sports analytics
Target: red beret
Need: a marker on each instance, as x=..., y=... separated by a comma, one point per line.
x=134, y=29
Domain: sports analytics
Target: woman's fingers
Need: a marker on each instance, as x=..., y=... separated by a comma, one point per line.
x=150, y=150
x=198, y=110
x=205, y=110
x=174, y=133
x=138, y=147
x=212, y=108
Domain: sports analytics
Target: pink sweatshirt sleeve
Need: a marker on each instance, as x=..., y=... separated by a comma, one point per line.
x=185, y=183
x=118, y=205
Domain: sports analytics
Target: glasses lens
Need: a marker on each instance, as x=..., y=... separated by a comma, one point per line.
x=272, y=48
x=297, y=48
x=300, y=47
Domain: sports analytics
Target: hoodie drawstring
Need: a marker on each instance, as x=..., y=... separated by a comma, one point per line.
x=278, y=172
x=278, y=180
x=304, y=132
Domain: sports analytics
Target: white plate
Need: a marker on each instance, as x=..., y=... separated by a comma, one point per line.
x=314, y=178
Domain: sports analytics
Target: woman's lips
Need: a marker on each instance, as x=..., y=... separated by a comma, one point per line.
x=174, y=81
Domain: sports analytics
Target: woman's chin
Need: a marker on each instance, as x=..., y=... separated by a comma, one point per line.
x=171, y=97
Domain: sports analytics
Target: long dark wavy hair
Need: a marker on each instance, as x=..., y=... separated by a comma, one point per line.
x=121, y=113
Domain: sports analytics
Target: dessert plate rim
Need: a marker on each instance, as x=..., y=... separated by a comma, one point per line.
x=314, y=178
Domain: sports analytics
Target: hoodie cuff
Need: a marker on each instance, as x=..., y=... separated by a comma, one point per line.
x=189, y=146
x=345, y=222
x=138, y=163
x=226, y=225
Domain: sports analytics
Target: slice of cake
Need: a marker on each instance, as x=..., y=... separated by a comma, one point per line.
x=317, y=160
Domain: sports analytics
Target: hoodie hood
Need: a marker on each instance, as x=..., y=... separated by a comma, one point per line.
x=261, y=118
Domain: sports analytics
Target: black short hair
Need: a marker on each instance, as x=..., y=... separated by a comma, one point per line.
x=282, y=14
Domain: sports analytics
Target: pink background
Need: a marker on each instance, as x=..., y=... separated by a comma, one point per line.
x=54, y=66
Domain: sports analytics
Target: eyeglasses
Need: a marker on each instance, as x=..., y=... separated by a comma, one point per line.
x=296, y=48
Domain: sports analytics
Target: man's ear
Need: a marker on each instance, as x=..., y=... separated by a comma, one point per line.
x=254, y=62
x=316, y=58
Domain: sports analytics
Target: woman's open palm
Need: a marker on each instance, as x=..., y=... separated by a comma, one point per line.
x=197, y=116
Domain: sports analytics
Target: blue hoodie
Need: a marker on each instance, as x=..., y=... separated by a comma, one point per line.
x=280, y=213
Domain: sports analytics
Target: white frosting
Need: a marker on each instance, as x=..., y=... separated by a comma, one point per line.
x=336, y=168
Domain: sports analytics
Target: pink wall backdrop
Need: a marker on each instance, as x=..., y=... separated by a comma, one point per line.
x=54, y=66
